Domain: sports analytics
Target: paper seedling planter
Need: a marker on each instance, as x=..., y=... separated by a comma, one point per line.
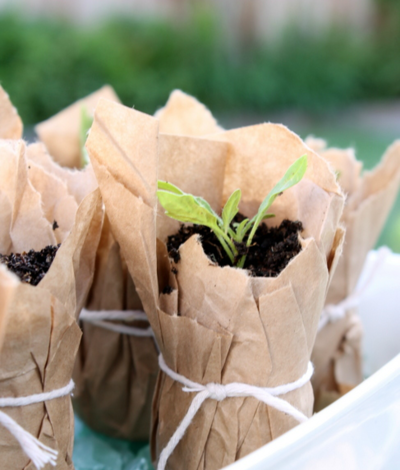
x=39, y=332
x=218, y=324
x=337, y=353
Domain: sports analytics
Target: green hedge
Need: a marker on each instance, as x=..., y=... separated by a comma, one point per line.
x=46, y=65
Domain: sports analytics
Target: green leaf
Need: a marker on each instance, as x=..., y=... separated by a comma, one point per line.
x=241, y=230
x=231, y=208
x=292, y=176
x=166, y=186
x=203, y=203
x=186, y=208
x=268, y=216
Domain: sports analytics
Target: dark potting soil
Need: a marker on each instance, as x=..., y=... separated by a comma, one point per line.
x=167, y=290
x=30, y=267
x=269, y=254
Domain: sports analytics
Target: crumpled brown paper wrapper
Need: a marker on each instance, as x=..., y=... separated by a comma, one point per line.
x=185, y=115
x=10, y=123
x=219, y=324
x=41, y=336
x=119, y=403
x=337, y=354
x=60, y=133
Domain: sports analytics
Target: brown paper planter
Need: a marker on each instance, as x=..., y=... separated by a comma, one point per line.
x=115, y=373
x=337, y=354
x=218, y=325
x=40, y=334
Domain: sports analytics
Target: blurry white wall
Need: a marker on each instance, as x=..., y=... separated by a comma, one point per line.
x=267, y=18
x=252, y=18
x=89, y=10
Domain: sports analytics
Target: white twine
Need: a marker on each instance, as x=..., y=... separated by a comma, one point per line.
x=332, y=313
x=220, y=392
x=102, y=319
x=39, y=454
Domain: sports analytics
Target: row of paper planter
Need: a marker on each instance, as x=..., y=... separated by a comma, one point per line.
x=217, y=325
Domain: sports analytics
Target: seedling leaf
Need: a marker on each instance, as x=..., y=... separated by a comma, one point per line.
x=231, y=208
x=292, y=176
x=166, y=186
x=186, y=208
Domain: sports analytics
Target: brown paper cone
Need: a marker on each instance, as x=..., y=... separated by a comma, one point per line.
x=60, y=133
x=338, y=350
x=10, y=123
x=41, y=336
x=220, y=325
x=119, y=403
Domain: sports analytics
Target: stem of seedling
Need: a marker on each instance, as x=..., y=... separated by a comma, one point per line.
x=226, y=248
x=223, y=236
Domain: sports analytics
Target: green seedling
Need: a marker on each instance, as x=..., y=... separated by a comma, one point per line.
x=85, y=125
x=193, y=209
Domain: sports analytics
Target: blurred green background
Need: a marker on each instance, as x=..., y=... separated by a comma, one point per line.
x=340, y=83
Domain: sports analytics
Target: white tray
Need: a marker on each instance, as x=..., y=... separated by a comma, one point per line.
x=361, y=431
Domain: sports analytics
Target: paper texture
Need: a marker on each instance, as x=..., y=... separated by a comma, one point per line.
x=10, y=123
x=41, y=336
x=184, y=115
x=79, y=182
x=337, y=354
x=60, y=133
x=115, y=374
x=219, y=324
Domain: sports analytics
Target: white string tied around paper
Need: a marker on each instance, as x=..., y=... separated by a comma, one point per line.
x=220, y=392
x=332, y=313
x=103, y=319
x=39, y=454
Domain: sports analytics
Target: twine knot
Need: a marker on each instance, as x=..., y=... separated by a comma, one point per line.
x=220, y=392
x=216, y=391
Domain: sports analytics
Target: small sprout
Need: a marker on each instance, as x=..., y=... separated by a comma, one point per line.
x=193, y=209
x=85, y=125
